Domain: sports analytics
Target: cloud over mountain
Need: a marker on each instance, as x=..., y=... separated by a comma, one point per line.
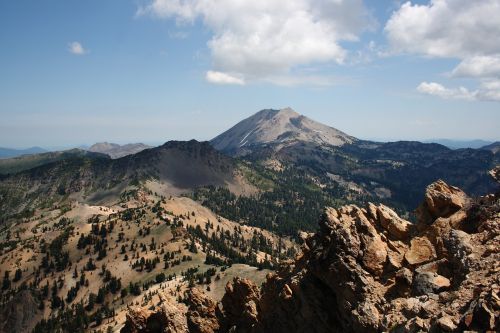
x=269, y=40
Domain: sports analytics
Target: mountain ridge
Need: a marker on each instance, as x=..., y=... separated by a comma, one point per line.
x=393, y=171
x=115, y=150
x=178, y=165
x=10, y=152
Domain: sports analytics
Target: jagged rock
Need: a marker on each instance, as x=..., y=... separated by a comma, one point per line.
x=495, y=173
x=340, y=281
x=446, y=324
x=375, y=255
x=396, y=226
x=459, y=248
x=421, y=251
x=442, y=200
x=168, y=318
x=240, y=303
x=201, y=315
x=355, y=275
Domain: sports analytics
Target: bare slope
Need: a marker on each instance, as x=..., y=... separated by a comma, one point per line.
x=281, y=127
x=180, y=166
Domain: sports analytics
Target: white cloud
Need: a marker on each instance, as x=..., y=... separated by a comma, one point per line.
x=436, y=89
x=261, y=39
x=446, y=28
x=76, y=48
x=478, y=66
x=457, y=29
x=223, y=78
x=487, y=91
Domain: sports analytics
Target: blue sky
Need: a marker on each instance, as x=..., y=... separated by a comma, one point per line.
x=78, y=72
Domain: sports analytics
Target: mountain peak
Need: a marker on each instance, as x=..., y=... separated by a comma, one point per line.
x=279, y=128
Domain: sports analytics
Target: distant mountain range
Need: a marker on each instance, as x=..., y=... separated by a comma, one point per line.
x=494, y=147
x=175, y=167
x=273, y=150
x=30, y=161
x=9, y=152
x=460, y=144
x=116, y=151
x=88, y=236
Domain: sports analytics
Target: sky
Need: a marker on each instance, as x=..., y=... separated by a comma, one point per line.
x=79, y=72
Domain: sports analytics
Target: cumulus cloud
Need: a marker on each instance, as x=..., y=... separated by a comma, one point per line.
x=488, y=90
x=436, y=89
x=457, y=29
x=478, y=66
x=261, y=39
x=76, y=48
x=446, y=28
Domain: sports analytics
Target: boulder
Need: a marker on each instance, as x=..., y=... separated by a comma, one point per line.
x=421, y=251
x=375, y=255
x=446, y=324
x=428, y=282
x=390, y=221
x=167, y=318
x=442, y=200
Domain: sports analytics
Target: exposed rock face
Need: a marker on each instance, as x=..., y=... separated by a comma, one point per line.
x=368, y=270
x=201, y=316
x=240, y=304
x=168, y=318
x=441, y=200
x=495, y=173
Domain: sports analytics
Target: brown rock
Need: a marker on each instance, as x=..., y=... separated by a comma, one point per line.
x=240, y=303
x=201, y=317
x=363, y=273
x=495, y=173
x=421, y=251
x=168, y=318
x=446, y=324
x=442, y=200
x=390, y=221
x=375, y=255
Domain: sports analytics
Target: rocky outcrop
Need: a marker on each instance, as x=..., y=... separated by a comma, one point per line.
x=495, y=173
x=201, y=314
x=239, y=305
x=368, y=270
x=197, y=315
x=168, y=317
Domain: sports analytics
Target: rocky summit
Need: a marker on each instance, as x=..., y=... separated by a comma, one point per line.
x=367, y=270
x=279, y=128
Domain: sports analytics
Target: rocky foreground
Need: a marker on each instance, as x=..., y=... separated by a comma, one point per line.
x=366, y=270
